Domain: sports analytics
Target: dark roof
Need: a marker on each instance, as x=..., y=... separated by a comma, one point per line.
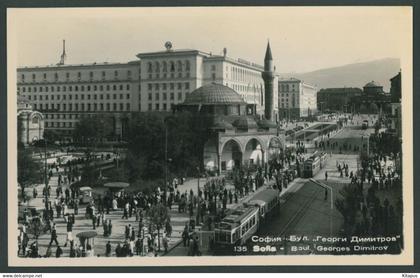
x=213, y=94
x=372, y=84
x=266, y=195
x=268, y=55
x=245, y=123
x=220, y=124
x=264, y=123
x=87, y=234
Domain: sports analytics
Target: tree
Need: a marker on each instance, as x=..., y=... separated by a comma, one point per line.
x=30, y=171
x=158, y=216
x=92, y=129
x=347, y=205
x=146, y=145
x=51, y=135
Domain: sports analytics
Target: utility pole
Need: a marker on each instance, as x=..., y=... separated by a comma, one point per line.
x=46, y=178
x=198, y=197
x=166, y=158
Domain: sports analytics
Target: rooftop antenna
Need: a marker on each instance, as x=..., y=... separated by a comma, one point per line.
x=63, y=55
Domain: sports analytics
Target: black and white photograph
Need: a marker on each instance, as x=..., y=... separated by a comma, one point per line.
x=210, y=136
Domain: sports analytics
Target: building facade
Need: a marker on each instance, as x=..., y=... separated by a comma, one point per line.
x=67, y=93
x=337, y=99
x=296, y=99
x=373, y=100
x=30, y=122
x=170, y=75
x=64, y=94
x=395, y=116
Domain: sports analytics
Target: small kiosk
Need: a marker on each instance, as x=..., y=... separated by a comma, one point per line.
x=87, y=241
x=116, y=187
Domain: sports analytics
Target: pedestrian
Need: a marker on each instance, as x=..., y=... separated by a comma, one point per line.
x=326, y=175
x=185, y=236
x=94, y=221
x=108, y=249
x=139, y=246
x=53, y=235
x=58, y=252
x=165, y=242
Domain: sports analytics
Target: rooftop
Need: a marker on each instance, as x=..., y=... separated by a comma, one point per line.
x=372, y=84
x=213, y=94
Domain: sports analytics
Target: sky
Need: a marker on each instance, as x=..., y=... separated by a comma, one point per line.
x=302, y=39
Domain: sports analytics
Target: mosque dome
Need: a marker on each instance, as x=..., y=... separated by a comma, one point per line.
x=372, y=84
x=213, y=94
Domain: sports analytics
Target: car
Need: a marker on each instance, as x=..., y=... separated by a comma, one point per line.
x=365, y=124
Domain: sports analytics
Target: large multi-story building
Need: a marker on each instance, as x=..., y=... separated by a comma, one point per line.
x=296, y=99
x=172, y=74
x=157, y=82
x=337, y=99
x=67, y=93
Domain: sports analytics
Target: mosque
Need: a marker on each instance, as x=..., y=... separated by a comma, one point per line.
x=238, y=134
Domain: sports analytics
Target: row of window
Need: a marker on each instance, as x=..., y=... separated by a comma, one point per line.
x=165, y=86
x=83, y=107
x=165, y=96
x=60, y=124
x=248, y=88
x=243, y=75
x=170, y=66
x=288, y=87
x=158, y=107
x=76, y=97
x=171, y=75
x=76, y=88
x=79, y=75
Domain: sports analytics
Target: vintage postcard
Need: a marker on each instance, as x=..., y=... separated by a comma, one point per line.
x=178, y=136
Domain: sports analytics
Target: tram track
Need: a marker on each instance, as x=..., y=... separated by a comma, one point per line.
x=300, y=213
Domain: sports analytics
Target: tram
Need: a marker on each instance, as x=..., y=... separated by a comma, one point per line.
x=314, y=164
x=239, y=225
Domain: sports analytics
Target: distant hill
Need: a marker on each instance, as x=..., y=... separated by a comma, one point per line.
x=352, y=75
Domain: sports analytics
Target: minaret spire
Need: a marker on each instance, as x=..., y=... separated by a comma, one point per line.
x=268, y=76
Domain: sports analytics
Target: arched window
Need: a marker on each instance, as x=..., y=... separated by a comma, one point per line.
x=172, y=66
x=187, y=65
x=157, y=67
x=165, y=66
x=179, y=66
x=149, y=67
x=35, y=120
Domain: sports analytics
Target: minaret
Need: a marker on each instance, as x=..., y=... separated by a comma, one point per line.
x=268, y=76
x=63, y=55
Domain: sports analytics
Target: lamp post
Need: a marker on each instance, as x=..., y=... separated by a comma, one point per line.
x=46, y=179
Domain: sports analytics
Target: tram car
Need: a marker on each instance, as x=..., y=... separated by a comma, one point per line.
x=314, y=164
x=239, y=225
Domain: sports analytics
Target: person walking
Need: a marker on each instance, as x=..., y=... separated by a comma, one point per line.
x=58, y=252
x=53, y=236
x=108, y=249
x=326, y=175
